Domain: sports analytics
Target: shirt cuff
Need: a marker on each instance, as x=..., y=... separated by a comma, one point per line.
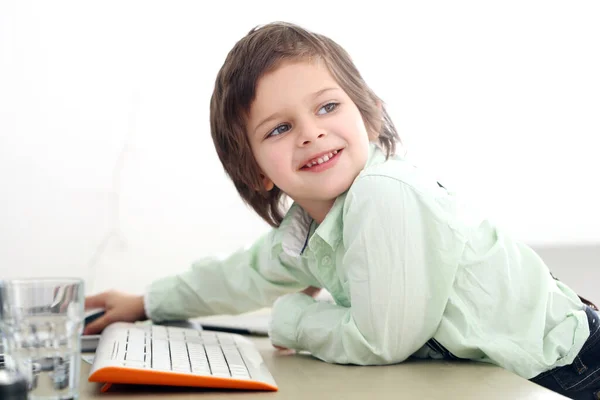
x=159, y=302
x=285, y=315
x=147, y=304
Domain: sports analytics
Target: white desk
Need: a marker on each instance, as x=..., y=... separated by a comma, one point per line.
x=306, y=378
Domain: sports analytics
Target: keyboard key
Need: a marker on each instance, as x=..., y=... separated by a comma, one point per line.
x=240, y=373
x=226, y=340
x=135, y=351
x=181, y=368
x=161, y=358
x=159, y=332
x=120, y=349
x=198, y=359
x=218, y=365
x=179, y=356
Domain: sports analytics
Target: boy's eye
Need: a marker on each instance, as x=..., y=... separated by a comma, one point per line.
x=327, y=108
x=279, y=130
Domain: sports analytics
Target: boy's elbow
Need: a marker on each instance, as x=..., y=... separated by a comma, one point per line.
x=361, y=353
x=383, y=357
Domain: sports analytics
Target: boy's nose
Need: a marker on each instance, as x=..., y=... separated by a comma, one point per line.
x=309, y=134
x=308, y=141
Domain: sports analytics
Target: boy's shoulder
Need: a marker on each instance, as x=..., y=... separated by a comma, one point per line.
x=395, y=171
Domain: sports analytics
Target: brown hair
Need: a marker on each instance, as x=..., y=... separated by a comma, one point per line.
x=262, y=50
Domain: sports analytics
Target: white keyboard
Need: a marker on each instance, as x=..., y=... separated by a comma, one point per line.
x=165, y=355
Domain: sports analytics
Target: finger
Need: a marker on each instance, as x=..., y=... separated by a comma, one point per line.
x=96, y=326
x=68, y=297
x=312, y=291
x=96, y=301
x=284, y=351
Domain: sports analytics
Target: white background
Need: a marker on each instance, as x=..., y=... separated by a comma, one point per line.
x=108, y=170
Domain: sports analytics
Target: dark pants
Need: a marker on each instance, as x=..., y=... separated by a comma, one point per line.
x=581, y=379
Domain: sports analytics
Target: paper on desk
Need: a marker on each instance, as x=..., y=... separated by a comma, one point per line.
x=88, y=358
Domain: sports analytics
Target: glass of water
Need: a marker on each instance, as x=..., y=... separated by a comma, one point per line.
x=41, y=322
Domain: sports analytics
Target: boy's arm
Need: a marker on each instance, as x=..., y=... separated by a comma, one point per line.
x=400, y=262
x=246, y=280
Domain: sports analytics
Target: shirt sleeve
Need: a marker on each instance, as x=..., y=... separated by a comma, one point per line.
x=399, y=263
x=247, y=280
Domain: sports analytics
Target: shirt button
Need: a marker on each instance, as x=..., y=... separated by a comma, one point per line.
x=326, y=260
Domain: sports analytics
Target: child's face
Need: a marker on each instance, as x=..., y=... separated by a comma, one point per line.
x=302, y=116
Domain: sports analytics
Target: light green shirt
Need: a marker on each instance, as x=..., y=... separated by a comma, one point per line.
x=405, y=261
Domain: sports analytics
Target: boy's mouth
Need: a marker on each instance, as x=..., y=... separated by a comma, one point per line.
x=323, y=159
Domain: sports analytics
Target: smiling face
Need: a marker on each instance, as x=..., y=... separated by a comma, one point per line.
x=307, y=136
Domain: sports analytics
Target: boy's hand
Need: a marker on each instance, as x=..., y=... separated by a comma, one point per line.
x=312, y=291
x=118, y=306
x=284, y=350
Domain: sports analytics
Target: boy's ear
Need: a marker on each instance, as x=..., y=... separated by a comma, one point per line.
x=267, y=183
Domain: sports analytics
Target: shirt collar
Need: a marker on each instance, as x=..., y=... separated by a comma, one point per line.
x=294, y=231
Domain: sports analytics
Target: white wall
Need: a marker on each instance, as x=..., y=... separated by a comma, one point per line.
x=108, y=171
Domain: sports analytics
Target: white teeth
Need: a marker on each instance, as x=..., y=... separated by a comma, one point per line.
x=322, y=159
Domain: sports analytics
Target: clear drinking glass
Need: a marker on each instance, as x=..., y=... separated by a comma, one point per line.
x=41, y=322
